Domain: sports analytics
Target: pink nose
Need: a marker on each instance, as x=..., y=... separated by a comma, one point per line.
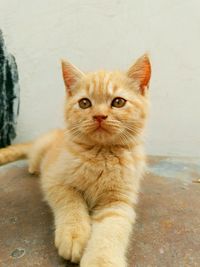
x=100, y=118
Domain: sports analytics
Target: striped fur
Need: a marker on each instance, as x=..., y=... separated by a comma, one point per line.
x=90, y=176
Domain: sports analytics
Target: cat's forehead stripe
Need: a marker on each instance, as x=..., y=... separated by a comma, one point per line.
x=110, y=88
x=97, y=82
x=105, y=81
x=94, y=84
x=101, y=84
x=91, y=88
x=87, y=88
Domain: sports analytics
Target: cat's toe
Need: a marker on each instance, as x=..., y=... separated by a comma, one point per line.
x=33, y=170
x=77, y=250
x=71, y=243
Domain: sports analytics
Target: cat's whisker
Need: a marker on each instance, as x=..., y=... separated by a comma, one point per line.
x=127, y=138
x=74, y=133
x=132, y=131
x=113, y=124
x=124, y=141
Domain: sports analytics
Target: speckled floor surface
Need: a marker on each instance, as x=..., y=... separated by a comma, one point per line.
x=167, y=232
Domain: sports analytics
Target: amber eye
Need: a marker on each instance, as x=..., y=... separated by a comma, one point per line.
x=118, y=102
x=85, y=103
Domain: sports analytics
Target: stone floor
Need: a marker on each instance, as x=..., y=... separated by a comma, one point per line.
x=167, y=232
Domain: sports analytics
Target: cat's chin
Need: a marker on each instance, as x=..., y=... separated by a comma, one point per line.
x=100, y=136
x=101, y=130
x=96, y=137
x=104, y=138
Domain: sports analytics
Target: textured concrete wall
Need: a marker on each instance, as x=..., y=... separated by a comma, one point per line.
x=109, y=34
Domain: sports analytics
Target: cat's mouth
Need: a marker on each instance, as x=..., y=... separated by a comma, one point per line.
x=105, y=127
x=100, y=128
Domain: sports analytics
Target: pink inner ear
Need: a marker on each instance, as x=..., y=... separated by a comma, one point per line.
x=68, y=79
x=141, y=72
x=146, y=70
x=70, y=75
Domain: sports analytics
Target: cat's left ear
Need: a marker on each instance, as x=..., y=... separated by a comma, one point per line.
x=71, y=75
x=141, y=72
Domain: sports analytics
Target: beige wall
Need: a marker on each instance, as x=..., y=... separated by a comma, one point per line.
x=109, y=34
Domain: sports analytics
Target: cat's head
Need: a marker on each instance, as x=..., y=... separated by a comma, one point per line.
x=107, y=107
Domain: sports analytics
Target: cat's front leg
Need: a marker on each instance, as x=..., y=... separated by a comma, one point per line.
x=111, y=230
x=72, y=221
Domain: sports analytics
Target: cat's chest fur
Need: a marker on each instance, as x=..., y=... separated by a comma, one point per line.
x=101, y=175
x=102, y=172
x=93, y=167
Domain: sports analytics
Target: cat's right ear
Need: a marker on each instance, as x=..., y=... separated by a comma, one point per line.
x=141, y=73
x=71, y=75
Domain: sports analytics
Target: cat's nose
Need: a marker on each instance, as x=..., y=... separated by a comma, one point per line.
x=99, y=118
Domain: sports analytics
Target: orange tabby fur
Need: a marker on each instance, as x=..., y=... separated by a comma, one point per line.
x=90, y=176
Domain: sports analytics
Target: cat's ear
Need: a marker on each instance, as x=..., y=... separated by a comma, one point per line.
x=141, y=72
x=71, y=75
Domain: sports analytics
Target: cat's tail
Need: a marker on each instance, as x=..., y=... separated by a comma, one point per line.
x=14, y=152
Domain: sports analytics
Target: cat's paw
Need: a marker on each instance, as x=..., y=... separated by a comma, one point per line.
x=33, y=170
x=71, y=241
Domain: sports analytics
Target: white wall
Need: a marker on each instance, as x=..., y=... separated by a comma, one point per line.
x=109, y=34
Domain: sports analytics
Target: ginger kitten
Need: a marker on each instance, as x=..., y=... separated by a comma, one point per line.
x=90, y=171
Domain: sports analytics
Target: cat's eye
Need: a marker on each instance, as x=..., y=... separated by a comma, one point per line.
x=84, y=103
x=118, y=102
